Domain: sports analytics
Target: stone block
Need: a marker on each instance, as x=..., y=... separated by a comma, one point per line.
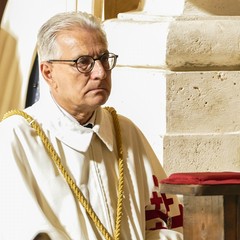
x=203, y=102
x=209, y=152
x=203, y=43
x=176, y=43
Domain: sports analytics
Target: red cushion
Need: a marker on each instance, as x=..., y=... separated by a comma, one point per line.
x=203, y=178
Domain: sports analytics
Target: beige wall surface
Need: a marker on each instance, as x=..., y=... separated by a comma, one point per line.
x=20, y=23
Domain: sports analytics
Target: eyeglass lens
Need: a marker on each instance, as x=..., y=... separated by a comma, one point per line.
x=86, y=63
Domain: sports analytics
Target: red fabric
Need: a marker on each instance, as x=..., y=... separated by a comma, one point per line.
x=159, y=213
x=203, y=178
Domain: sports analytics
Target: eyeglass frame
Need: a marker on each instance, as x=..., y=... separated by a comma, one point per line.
x=94, y=60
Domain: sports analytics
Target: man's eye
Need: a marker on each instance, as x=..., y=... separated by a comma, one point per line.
x=104, y=58
x=84, y=61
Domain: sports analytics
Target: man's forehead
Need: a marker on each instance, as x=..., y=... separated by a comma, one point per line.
x=72, y=36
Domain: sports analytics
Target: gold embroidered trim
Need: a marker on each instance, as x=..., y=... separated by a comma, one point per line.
x=77, y=192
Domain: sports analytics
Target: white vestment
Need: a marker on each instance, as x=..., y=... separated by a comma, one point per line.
x=35, y=197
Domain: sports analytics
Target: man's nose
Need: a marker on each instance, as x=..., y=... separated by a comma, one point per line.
x=98, y=70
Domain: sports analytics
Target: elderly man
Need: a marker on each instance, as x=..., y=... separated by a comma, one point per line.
x=71, y=169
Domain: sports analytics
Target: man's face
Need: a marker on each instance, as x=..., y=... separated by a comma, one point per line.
x=79, y=92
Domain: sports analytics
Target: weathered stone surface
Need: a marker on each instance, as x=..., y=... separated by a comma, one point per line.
x=210, y=152
x=203, y=102
x=207, y=44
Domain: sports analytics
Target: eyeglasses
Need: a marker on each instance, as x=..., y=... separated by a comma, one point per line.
x=85, y=64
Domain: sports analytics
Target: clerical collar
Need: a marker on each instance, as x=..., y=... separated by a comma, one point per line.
x=88, y=124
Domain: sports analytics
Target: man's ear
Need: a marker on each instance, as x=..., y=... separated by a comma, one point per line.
x=46, y=70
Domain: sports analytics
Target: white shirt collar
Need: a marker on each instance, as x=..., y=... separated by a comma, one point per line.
x=68, y=115
x=67, y=129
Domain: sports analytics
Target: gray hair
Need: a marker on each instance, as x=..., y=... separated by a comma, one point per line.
x=46, y=39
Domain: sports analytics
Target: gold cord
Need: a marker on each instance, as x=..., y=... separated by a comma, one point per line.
x=121, y=168
x=79, y=195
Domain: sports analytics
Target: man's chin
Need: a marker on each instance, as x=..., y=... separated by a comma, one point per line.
x=99, y=101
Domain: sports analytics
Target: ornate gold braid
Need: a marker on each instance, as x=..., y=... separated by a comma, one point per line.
x=79, y=195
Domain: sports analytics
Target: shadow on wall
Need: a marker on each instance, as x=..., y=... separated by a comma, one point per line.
x=112, y=8
x=10, y=77
x=2, y=7
x=218, y=7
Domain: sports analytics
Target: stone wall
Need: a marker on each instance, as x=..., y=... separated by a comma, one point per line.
x=178, y=68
